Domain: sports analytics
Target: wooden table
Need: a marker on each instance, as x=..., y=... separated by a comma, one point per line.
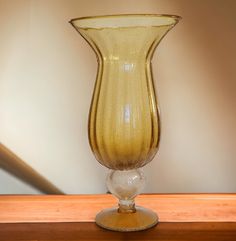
x=183, y=217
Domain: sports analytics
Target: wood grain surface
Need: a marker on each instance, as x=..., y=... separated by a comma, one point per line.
x=89, y=231
x=83, y=208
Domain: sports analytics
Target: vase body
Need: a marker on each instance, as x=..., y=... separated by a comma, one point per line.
x=124, y=124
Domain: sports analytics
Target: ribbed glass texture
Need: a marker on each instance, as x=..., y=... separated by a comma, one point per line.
x=124, y=125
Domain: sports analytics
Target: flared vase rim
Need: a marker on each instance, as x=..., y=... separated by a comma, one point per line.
x=175, y=18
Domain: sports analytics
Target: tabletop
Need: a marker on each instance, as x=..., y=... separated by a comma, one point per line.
x=71, y=217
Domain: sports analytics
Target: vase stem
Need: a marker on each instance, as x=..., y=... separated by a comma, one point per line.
x=126, y=206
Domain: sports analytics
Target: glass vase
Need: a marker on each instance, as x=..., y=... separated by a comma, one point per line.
x=124, y=123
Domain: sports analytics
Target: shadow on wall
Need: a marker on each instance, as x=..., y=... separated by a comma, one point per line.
x=198, y=104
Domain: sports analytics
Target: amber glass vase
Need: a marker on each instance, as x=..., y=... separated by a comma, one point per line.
x=124, y=125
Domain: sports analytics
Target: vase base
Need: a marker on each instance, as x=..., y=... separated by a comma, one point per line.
x=113, y=220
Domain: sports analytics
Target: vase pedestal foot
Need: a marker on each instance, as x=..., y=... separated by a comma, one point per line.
x=114, y=220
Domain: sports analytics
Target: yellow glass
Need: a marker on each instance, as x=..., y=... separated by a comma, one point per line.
x=124, y=125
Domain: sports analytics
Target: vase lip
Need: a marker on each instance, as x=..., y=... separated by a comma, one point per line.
x=90, y=22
